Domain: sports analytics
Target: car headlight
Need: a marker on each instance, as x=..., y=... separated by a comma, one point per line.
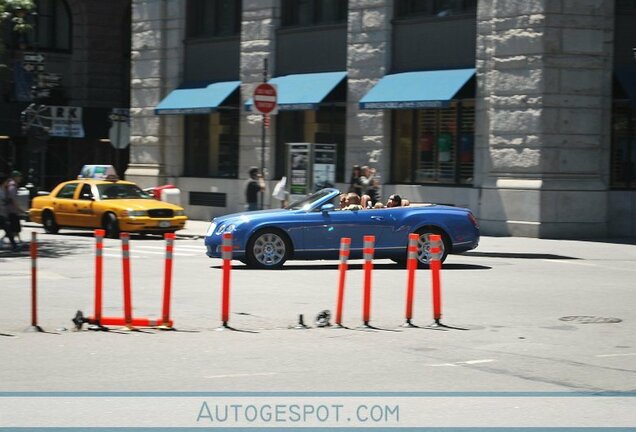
x=179, y=212
x=211, y=229
x=225, y=228
x=135, y=213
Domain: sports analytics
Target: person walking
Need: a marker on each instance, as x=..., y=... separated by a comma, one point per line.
x=254, y=186
x=12, y=207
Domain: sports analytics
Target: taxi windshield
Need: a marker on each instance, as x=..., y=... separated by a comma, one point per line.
x=121, y=191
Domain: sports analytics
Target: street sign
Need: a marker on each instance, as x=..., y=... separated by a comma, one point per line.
x=265, y=98
x=32, y=57
x=119, y=132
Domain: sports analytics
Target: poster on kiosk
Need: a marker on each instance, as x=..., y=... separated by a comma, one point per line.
x=310, y=167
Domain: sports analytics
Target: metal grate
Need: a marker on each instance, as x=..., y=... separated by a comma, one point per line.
x=210, y=199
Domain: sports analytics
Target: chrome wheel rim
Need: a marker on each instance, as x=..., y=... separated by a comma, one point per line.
x=424, y=248
x=269, y=249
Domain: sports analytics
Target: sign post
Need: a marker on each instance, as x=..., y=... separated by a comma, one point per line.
x=265, y=102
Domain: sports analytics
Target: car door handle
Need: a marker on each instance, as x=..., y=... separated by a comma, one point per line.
x=378, y=218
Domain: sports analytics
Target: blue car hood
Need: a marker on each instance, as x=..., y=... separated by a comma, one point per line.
x=253, y=215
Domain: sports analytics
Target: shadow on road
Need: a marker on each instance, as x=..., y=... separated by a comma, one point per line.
x=519, y=255
x=292, y=267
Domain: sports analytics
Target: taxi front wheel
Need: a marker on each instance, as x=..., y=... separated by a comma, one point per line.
x=111, y=226
x=48, y=220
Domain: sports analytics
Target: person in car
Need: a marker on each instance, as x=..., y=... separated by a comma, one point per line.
x=353, y=202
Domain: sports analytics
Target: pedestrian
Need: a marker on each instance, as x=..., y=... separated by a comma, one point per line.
x=12, y=207
x=354, y=182
x=370, y=184
x=254, y=186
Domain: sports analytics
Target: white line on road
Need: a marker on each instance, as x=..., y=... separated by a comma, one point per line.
x=242, y=375
x=467, y=362
x=616, y=355
x=589, y=264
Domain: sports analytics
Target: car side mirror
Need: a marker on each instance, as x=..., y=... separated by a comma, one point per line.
x=327, y=208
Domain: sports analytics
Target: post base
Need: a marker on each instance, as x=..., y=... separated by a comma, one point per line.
x=34, y=329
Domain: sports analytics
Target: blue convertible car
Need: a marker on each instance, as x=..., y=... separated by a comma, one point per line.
x=312, y=228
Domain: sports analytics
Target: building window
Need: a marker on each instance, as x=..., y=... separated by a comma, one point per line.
x=623, y=6
x=210, y=18
x=327, y=125
x=313, y=12
x=211, y=144
x=623, y=157
x=52, y=26
x=436, y=8
x=434, y=145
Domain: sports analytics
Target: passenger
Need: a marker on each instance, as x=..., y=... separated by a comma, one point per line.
x=365, y=201
x=394, y=201
x=342, y=199
x=378, y=205
x=354, y=202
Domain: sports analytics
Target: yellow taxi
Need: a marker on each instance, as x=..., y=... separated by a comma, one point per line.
x=113, y=205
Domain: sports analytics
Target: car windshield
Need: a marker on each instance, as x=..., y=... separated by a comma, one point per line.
x=121, y=191
x=306, y=203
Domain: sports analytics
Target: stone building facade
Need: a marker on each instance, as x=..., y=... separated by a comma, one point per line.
x=536, y=158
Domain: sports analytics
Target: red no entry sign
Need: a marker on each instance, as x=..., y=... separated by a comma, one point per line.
x=265, y=98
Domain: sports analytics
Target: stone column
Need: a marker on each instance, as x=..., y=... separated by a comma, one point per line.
x=158, y=29
x=368, y=60
x=543, y=127
x=258, y=36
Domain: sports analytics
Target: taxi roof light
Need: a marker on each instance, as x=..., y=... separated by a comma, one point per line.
x=98, y=172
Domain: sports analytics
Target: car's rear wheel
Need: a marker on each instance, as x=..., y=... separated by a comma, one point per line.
x=110, y=225
x=268, y=249
x=48, y=220
x=424, y=245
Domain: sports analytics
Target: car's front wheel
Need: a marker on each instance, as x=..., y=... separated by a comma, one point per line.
x=268, y=249
x=48, y=220
x=110, y=225
x=424, y=245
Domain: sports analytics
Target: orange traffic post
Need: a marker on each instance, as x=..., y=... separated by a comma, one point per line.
x=34, y=286
x=125, y=255
x=226, y=254
x=435, y=266
x=367, y=252
x=345, y=245
x=166, y=323
x=99, y=279
x=411, y=265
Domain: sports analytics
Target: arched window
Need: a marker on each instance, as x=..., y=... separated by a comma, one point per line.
x=52, y=28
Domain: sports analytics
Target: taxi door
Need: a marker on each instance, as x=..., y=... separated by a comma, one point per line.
x=63, y=204
x=83, y=212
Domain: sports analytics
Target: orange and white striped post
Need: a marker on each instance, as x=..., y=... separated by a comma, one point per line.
x=367, y=253
x=34, y=283
x=125, y=255
x=436, y=266
x=345, y=246
x=166, y=323
x=411, y=265
x=226, y=255
x=99, y=276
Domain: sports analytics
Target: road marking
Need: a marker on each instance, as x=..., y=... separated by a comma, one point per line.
x=461, y=363
x=588, y=264
x=616, y=355
x=242, y=375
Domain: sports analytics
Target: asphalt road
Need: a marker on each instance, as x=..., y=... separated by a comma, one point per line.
x=523, y=315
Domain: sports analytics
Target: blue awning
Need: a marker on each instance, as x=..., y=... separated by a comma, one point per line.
x=627, y=78
x=303, y=91
x=196, y=98
x=423, y=89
